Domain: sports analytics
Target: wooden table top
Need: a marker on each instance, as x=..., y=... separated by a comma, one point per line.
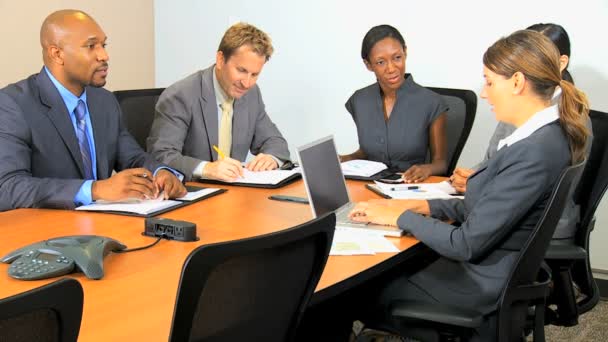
x=135, y=299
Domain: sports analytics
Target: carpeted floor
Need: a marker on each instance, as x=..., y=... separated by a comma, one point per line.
x=592, y=327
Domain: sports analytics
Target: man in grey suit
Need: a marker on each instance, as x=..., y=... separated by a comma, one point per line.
x=206, y=123
x=61, y=134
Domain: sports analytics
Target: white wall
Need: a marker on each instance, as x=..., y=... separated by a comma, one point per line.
x=316, y=66
x=131, y=47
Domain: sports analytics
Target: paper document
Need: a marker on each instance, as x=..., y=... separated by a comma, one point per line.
x=271, y=177
x=349, y=241
x=362, y=168
x=443, y=190
x=194, y=195
x=144, y=207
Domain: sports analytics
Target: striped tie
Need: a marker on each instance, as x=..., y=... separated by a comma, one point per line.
x=83, y=141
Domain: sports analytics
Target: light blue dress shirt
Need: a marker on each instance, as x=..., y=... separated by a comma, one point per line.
x=84, y=195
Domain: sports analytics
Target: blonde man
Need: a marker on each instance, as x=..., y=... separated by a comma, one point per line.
x=206, y=123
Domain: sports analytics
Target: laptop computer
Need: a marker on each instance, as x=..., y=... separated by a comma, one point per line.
x=326, y=187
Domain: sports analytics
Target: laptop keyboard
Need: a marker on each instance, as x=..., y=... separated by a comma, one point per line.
x=342, y=215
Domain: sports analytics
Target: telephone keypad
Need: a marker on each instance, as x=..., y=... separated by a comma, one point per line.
x=32, y=268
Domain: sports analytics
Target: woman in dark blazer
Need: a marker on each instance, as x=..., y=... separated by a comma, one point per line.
x=397, y=120
x=506, y=195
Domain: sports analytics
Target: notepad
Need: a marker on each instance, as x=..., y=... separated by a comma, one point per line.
x=362, y=168
x=271, y=177
x=197, y=194
x=262, y=179
x=144, y=207
x=151, y=207
x=442, y=190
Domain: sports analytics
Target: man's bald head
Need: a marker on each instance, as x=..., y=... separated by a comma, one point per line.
x=59, y=23
x=73, y=49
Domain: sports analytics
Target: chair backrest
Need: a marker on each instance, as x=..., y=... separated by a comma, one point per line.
x=460, y=118
x=49, y=313
x=253, y=289
x=519, y=289
x=138, y=107
x=593, y=183
x=533, y=252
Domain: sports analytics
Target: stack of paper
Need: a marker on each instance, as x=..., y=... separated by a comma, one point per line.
x=352, y=241
x=443, y=190
x=362, y=168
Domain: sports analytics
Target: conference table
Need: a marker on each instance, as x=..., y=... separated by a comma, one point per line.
x=134, y=301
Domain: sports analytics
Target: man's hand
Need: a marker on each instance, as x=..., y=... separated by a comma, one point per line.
x=226, y=169
x=131, y=183
x=168, y=183
x=459, y=179
x=417, y=173
x=262, y=162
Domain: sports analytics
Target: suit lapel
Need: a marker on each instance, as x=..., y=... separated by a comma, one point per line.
x=209, y=110
x=59, y=117
x=99, y=128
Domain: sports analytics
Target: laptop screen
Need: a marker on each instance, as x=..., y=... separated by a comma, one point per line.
x=323, y=176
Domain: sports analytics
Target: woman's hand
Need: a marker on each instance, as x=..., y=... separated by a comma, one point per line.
x=417, y=173
x=459, y=179
x=377, y=213
x=387, y=211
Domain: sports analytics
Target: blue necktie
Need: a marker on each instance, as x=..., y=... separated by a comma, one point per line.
x=83, y=141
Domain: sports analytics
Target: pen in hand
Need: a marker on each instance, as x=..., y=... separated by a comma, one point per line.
x=219, y=152
x=145, y=176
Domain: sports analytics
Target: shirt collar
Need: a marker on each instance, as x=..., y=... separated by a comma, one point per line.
x=538, y=120
x=220, y=95
x=70, y=100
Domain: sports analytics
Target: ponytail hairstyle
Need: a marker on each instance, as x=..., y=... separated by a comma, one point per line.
x=559, y=37
x=537, y=58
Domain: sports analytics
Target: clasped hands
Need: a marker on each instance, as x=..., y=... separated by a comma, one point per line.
x=230, y=170
x=459, y=179
x=138, y=183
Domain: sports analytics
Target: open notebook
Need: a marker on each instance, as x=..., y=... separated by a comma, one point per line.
x=261, y=179
x=367, y=170
x=151, y=207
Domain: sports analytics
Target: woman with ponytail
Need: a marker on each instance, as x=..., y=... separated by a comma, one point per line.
x=506, y=195
x=566, y=228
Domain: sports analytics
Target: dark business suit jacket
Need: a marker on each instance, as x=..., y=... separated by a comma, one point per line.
x=40, y=162
x=185, y=126
x=505, y=199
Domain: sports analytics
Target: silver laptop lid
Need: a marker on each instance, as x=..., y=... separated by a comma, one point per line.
x=323, y=176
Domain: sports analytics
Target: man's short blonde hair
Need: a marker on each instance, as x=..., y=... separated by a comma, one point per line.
x=241, y=34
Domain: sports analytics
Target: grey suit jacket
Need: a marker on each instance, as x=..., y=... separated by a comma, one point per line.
x=505, y=199
x=566, y=227
x=40, y=162
x=185, y=126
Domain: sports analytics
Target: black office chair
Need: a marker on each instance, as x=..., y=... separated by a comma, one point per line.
x=460, y=118
x=253, y=289
x=527, y=283
x=138, y=111
x=49, y=313
x=570, y=262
